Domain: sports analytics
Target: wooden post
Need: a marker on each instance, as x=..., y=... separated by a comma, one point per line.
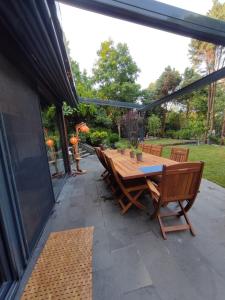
x=63, y=136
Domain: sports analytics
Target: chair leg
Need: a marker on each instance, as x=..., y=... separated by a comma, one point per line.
x=187, y=219
x=124, y=207
x=132, y=201
x=104, y=173
x=135, y=201
x=161, y=227
x=165, y=229
x=187, y=207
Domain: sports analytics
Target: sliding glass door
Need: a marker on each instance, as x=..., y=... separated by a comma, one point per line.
x=5, y=272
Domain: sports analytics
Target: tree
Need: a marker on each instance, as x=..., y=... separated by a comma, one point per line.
x=166, y=84
x=209, y=58
x=154, y=125
x=189, y=76
x=223, y=129
x=84, y=83
x=84, y=87
x=148, y=95
x=115, y=73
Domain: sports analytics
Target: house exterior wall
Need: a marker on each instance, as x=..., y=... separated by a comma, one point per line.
x=24, y=159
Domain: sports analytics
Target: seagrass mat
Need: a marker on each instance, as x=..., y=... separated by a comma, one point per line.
x=64, y=269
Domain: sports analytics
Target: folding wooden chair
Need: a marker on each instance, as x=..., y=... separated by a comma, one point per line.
x=101, y=158
x=179, y=154
x=146, y=148
x=110, y=179
x=180, y=183
x=130, y=190
x=156, y=150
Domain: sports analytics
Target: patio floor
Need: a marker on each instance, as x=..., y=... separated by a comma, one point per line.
x=130, y=258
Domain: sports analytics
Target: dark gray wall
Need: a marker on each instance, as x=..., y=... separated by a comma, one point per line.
x=19, y=106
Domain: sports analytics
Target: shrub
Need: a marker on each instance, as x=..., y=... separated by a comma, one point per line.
x=214, y=139
x=113, y=138
x=171, y=134
x=184, y=134
x=97, y=137
x=154, y=125
x=83, y=137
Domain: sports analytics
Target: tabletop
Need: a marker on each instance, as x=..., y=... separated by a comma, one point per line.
x=130, y=168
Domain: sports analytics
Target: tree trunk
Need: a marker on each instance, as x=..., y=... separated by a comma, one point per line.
x=164, y=111
x=119, y=129
x=223, y=130
x=212, y=109
x=187, y=110
x=208, y=115
x=210, y=112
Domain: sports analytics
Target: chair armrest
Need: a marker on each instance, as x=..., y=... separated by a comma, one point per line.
x=152, y=187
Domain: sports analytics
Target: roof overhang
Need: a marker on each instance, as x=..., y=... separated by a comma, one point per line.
x=31, y=37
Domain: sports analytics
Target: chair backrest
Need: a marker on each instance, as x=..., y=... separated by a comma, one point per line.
x=179, y=154
x=114, y=172
x=101, y=156
x=181, y=181
x=156, y=150
x=146, y=148
x=97, y=152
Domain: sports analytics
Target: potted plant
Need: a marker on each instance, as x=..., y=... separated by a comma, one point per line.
x=138, y=153
x=118, y=146
x=122, y=149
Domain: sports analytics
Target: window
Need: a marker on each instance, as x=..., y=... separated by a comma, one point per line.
x=54, y=147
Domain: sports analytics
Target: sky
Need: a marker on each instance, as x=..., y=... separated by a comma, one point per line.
x=151, y=49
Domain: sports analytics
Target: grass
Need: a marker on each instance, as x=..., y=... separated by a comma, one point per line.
x=165, y=141
x=212, y=155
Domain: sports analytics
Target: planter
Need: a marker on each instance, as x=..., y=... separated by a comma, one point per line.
x=122, y=151
x=102, y=147
x=132, y=154
x=139, y=156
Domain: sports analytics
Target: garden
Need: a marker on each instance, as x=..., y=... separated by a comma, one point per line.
x=196, y=119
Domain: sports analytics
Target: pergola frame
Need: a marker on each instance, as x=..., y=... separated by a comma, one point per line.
x=164, y=17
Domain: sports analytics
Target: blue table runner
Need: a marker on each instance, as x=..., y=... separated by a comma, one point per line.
x=151, y=169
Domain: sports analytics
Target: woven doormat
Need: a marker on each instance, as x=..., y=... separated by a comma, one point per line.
x=64, y=269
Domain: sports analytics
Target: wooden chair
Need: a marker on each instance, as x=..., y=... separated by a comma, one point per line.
x=156, y=150
x=180, y=183
x=179, y=154
x=130, y=190
x=146, y=148
x=101, y=158
x=111, y=181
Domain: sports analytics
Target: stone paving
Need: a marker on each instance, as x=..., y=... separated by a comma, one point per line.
x=131, y=261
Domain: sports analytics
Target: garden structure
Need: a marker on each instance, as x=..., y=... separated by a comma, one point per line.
x=34, y=74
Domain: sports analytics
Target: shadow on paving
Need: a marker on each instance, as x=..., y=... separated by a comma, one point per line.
x=130, y=258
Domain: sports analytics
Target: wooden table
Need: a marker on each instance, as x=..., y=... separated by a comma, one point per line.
x=129, y=168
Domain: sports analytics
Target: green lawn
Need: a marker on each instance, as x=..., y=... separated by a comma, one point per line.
x=212, y=155
x=165, y=141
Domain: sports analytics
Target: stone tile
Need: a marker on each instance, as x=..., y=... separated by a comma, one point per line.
x=130, y=258
x=130, y=269
x=168, y=278
x=147, y=293
x=119, y=238
x=102, y=258
x=105, y=285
